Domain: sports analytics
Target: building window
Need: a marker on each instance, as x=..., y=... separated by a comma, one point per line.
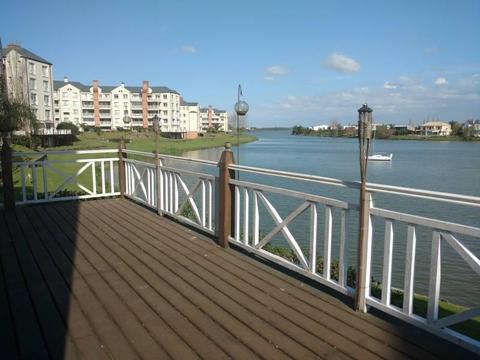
x=165, y=112
x=45, y=85
x=46, y=100
x=65, y=102
x=165, y=96
x=33, y=99
x=75, y=111
x=32, y=84
x=31, y=68
x=125, y=96
x=47, y=114
x=165, y=104
x=115, y=96
x=45, y=70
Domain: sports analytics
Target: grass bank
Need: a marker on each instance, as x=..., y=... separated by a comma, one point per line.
x=144, y=141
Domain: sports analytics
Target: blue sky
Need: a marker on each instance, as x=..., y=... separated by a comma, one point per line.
x=302, y=62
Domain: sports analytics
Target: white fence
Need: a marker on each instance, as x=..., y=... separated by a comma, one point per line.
x=250, y=197
x=185, y=195
x=49, y=176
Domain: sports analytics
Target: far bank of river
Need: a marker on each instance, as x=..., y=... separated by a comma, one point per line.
x=404, y=137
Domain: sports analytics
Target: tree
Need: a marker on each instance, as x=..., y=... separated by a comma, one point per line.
x=383, y=132
x=69, y=126
x=232, y=121
x=15, y=112
x=457, y=128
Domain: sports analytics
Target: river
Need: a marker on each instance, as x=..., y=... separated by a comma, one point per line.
x=442, y=166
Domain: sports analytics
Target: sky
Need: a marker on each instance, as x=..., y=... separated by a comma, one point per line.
x=302, y=62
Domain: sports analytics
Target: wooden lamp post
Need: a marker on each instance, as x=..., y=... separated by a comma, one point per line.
x=364, y=244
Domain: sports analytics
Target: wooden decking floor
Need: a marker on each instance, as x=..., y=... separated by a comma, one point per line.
x=110, y=279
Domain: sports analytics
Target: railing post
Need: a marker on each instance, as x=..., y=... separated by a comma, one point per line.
x=121, y=169
x=226, y=203
x=365, y=227
x=8, y=190
x=158, y=165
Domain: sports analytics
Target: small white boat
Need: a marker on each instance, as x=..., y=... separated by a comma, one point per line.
x=380, y=157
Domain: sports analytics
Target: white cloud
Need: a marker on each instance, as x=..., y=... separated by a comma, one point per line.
x=440, y=81
x=342, y=63
x=389, y=85
x=411, y=99
x=189, y=49
x=275, y=71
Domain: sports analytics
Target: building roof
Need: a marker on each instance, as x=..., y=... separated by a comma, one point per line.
x=186, y=103
x=435, y=123
x=216, y=111
x=155, y=89
x=57, y=84
x=25, y=53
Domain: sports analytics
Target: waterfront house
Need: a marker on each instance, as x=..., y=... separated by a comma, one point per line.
x=320, y=127
x=473, y=125
x=403, y=129
x=435, y=128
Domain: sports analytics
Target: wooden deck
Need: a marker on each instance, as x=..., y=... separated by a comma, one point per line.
x=110, y=279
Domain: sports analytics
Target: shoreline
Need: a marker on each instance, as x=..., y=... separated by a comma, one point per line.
x=405, y=137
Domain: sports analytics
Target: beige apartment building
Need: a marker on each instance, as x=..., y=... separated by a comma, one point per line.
x=190, y=118
x=214, y=119
x=122, y=106
x=29, y=77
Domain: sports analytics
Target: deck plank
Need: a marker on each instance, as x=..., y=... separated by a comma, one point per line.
x=108, y=331
x=232, y=323
x=111, y=279
x=150, y=313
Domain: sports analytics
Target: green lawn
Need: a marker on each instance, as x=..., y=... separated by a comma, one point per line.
x=144, y=141
x=91, y=141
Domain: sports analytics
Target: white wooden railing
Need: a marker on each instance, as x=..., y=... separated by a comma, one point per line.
x=185, y=195
x=441, y=232
x=36, y=175
x=249, y=197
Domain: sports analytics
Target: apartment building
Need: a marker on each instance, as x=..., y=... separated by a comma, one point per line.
x=122, y=106
x=190, y=118
x=29, y=77
x=211, y=118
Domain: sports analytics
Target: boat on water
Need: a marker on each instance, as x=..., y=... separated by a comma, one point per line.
x=380, y=157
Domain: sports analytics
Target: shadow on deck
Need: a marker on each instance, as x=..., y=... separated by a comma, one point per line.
x=110, y=279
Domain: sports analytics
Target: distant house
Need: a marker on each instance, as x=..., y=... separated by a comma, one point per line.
x=435, y=128
x=320, y=127
x=474, y=125
x=350, y=127
x=404, y=129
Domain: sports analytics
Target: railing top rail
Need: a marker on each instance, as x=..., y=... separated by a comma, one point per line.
x=64, y=152
x=301, y=195
x=428, y=222
x=371, y=187
x=297, y=176
x=69, y=161
x=425, y=194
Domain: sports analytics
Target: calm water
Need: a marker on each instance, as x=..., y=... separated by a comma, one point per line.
x=442, y=166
